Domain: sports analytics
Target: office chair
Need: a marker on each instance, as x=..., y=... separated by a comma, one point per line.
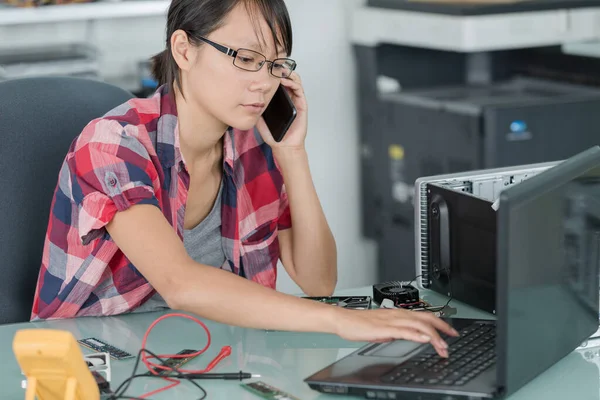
x=39, y=118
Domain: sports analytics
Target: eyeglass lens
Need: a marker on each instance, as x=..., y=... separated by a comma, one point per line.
x=253, y=61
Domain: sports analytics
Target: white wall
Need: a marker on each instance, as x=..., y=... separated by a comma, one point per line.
x=321, y=47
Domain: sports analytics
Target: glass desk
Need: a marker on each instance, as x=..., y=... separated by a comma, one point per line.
x=283, y=359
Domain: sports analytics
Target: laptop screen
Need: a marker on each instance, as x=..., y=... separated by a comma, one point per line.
x=548, y=265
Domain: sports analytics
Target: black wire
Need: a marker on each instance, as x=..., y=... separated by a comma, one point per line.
x=120, y=391
x=414, y=279
x=127, y=382
x=439, y=308
x=436, y=308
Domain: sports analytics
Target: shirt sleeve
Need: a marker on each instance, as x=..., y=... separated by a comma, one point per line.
x=111, y=171
x=285, y=217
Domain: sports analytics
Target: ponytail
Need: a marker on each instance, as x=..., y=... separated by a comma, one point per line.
x=160, y=67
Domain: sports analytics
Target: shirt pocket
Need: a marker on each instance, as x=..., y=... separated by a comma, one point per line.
x=261, y=236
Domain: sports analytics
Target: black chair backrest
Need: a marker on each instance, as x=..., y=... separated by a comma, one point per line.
x=39, y=118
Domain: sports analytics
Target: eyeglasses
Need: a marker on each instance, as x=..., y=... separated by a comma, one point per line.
x=250, y=60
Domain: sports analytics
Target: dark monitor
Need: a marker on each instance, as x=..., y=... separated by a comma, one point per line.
x=548, y=252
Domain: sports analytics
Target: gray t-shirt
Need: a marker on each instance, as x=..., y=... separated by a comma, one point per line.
x=202, y=243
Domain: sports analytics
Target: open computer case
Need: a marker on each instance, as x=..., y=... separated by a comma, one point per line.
x=455, y=231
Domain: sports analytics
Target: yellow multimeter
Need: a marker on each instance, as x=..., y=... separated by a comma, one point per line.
x=54, y=366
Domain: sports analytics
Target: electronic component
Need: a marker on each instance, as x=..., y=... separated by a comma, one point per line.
x=175, y=362
x=387, y=303
x=54, y=366
x=354, y=302
x=417, y=305
x=421, y=305
x=267, y=391
x=99, y=362
x=94, y=362
x=398, y=292
x=103, y=347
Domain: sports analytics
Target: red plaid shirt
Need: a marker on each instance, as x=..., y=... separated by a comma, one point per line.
x=131, y=156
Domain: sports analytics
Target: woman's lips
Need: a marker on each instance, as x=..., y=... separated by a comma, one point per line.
x=256, y=108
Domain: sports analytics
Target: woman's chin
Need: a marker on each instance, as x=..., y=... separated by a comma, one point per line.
x=244, y=124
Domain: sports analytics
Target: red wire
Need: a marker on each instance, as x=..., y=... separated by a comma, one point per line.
x=152, y=367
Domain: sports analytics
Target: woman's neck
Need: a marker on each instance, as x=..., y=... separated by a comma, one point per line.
x=200, y=135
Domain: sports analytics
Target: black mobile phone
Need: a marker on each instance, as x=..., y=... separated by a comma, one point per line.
x=280, y=113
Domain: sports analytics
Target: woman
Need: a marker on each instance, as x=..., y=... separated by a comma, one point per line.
x=176, y=201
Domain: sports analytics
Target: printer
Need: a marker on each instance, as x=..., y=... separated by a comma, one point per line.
x=448, y=86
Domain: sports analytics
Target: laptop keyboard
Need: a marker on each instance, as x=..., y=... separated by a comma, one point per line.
x=470, y=354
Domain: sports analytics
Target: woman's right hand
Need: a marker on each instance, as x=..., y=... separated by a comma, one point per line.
x=385, y=325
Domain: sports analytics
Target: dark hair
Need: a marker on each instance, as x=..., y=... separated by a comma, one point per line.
x=201, y=17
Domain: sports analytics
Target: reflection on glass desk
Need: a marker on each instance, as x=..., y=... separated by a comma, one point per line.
x=283, y=359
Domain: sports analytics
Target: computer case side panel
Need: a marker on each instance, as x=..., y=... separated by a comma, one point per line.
x=462, y=243
x=483, y=180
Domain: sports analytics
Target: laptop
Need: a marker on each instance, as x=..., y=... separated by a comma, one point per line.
x=548, y=235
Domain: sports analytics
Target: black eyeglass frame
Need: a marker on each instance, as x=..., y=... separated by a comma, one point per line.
x=233, y=53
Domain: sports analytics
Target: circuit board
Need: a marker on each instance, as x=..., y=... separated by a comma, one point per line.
x=103, y=347
x=354, y=302
x=175, y=362
x=418, y=305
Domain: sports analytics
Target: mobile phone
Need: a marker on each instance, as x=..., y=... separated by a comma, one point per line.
x=280, y=113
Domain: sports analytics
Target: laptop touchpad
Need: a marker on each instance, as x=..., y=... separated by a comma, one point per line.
x=396, y=349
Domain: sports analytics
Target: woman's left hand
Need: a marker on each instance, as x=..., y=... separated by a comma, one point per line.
x=294, y=137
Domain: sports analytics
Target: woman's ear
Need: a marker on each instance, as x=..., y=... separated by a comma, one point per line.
x=182, y=50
